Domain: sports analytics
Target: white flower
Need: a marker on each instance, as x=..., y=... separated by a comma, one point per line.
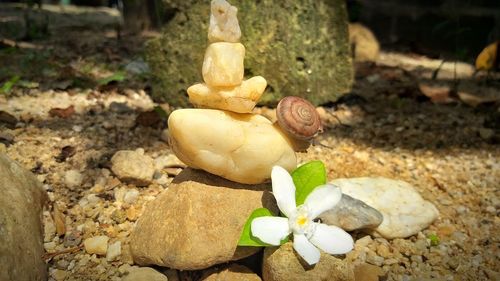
x=308, y=235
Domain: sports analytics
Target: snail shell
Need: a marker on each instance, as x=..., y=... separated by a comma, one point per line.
x=298, y=117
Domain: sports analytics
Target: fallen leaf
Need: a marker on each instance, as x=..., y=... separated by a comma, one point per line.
x=173, y=171
x=487, y=59
x=438, y=93
x=66, y=152
x=59, y=220
x=62, y=112
x=6, y=138
x=117, y=77
x=8, y=119
x=475, y=100
x=473, y=94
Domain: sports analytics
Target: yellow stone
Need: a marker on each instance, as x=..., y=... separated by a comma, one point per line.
x=239, y=147
x=223, y=64
x=241, y=99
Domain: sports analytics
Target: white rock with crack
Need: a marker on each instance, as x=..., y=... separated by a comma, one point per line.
x=238, y=147
x=405, y=212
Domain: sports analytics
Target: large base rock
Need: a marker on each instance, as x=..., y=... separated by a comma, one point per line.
x=284, y=264
x=197, y=222
x=300, y=47
x=21, y=237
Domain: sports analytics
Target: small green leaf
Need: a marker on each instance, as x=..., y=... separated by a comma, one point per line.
x=7, y=86
x=117, y=77
x=434, y=239
x=246, y=238
x=306, y=178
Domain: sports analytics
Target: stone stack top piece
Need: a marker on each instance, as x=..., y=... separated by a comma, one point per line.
x=223, y=68
x=224, y=26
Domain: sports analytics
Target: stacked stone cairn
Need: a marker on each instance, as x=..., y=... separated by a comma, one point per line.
x=197, y=221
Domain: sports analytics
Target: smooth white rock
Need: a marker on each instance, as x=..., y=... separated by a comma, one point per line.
x=223, y=64
x=240, y=99
x=405, y=211
x=238, y=147
x=96, y=245
x=224, y=24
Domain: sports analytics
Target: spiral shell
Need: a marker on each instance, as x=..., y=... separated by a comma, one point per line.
x=298, y=118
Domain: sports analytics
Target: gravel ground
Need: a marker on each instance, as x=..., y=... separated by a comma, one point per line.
x=384, y=128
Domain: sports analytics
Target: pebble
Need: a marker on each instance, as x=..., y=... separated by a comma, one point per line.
x=384, y=251
x=73, y=179
x=50, y=246
x=72, y=240
x=131, y=196
x=114, y=251
x=59, y=275
x=96, y=245
x=133, y=167
x=77, y=128
x=374, y=259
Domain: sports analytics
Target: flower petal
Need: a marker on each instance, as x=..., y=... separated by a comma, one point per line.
x=270, y=230
x=283, y=190
x=322, y=199
x=332, y=239
x=305, y=249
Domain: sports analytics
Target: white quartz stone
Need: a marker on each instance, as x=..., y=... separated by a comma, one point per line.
x=223, y=23
x=405, y=211
x=241, y=99
x=238, y=147
x=223, y=64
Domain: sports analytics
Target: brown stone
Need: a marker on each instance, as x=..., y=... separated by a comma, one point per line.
x=21, y=237
x=234, y=272
x=367, y=272
x=197, y=222
x=284, y=264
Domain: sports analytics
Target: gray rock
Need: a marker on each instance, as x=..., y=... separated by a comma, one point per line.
x=284, y=264
x=351, y=214
x=405, y=212
x=21, y=231
x=300, y=48
x=133, y=167
x=197, y=222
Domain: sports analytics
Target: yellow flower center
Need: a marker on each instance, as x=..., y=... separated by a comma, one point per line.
x=302, y=220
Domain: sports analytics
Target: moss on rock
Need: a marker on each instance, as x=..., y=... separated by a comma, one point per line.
x=301, y=48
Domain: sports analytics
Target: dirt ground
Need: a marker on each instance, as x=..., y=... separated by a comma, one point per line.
x=385, y=127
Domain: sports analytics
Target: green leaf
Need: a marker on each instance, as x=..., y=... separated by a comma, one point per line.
x=7, y=86
x=246, y=238
x=306, y=178
x=117, y=77
x=434, y=239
